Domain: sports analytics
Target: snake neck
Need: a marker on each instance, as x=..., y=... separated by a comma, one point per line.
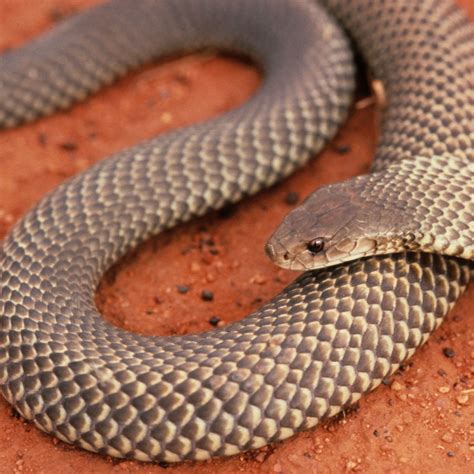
x=431, y=204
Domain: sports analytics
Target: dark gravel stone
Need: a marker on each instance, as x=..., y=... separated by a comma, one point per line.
x=207, y=295
x=343, y=149
x=214, y=320
x=448, y=352
x=68, y=146
x=292, y=198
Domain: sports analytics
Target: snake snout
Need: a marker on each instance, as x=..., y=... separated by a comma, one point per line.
x=270, y=250
x=276, y=251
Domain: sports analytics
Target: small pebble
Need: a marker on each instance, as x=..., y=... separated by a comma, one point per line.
x=42, y=138
x=442, y=373
x=444, y=389
x=258, y=279
x=68, y=146
x=292, y=198
x=462, y=399
x=447, y=438
x=448, y=352
x=207, y=295
x=451, y=454
x=343, y=149
x=214, y=321
x=397, y=386
x=182, y=289
x=166, y=117
x=350, y=465
x=210, y=277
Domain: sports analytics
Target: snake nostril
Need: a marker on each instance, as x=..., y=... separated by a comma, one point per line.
x=286, y=256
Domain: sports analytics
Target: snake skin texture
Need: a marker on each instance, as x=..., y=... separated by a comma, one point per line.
x=422, y=204
x=326, y=339
x=421, y=195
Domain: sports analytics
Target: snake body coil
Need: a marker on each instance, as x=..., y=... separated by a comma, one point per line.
x=326, y=339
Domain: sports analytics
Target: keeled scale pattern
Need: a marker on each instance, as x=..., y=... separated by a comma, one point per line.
x=311, y=351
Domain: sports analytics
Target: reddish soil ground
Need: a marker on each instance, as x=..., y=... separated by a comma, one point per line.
x=421, y=421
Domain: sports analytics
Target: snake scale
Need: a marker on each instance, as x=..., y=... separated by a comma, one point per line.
x=329, y=337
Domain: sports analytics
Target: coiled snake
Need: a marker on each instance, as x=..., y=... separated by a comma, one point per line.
x=326, y=339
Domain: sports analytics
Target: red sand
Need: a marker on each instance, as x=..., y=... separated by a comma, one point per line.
x=423, y=422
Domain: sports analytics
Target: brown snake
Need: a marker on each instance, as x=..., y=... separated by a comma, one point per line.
x=333, y=334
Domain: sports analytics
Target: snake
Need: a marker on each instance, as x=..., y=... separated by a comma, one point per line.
x=385, y=255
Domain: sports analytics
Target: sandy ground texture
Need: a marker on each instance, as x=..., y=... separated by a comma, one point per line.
x=421, y=420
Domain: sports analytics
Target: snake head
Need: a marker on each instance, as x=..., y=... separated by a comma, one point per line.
x=333, y=225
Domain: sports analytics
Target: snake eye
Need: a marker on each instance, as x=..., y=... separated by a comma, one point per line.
x=316, y=245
